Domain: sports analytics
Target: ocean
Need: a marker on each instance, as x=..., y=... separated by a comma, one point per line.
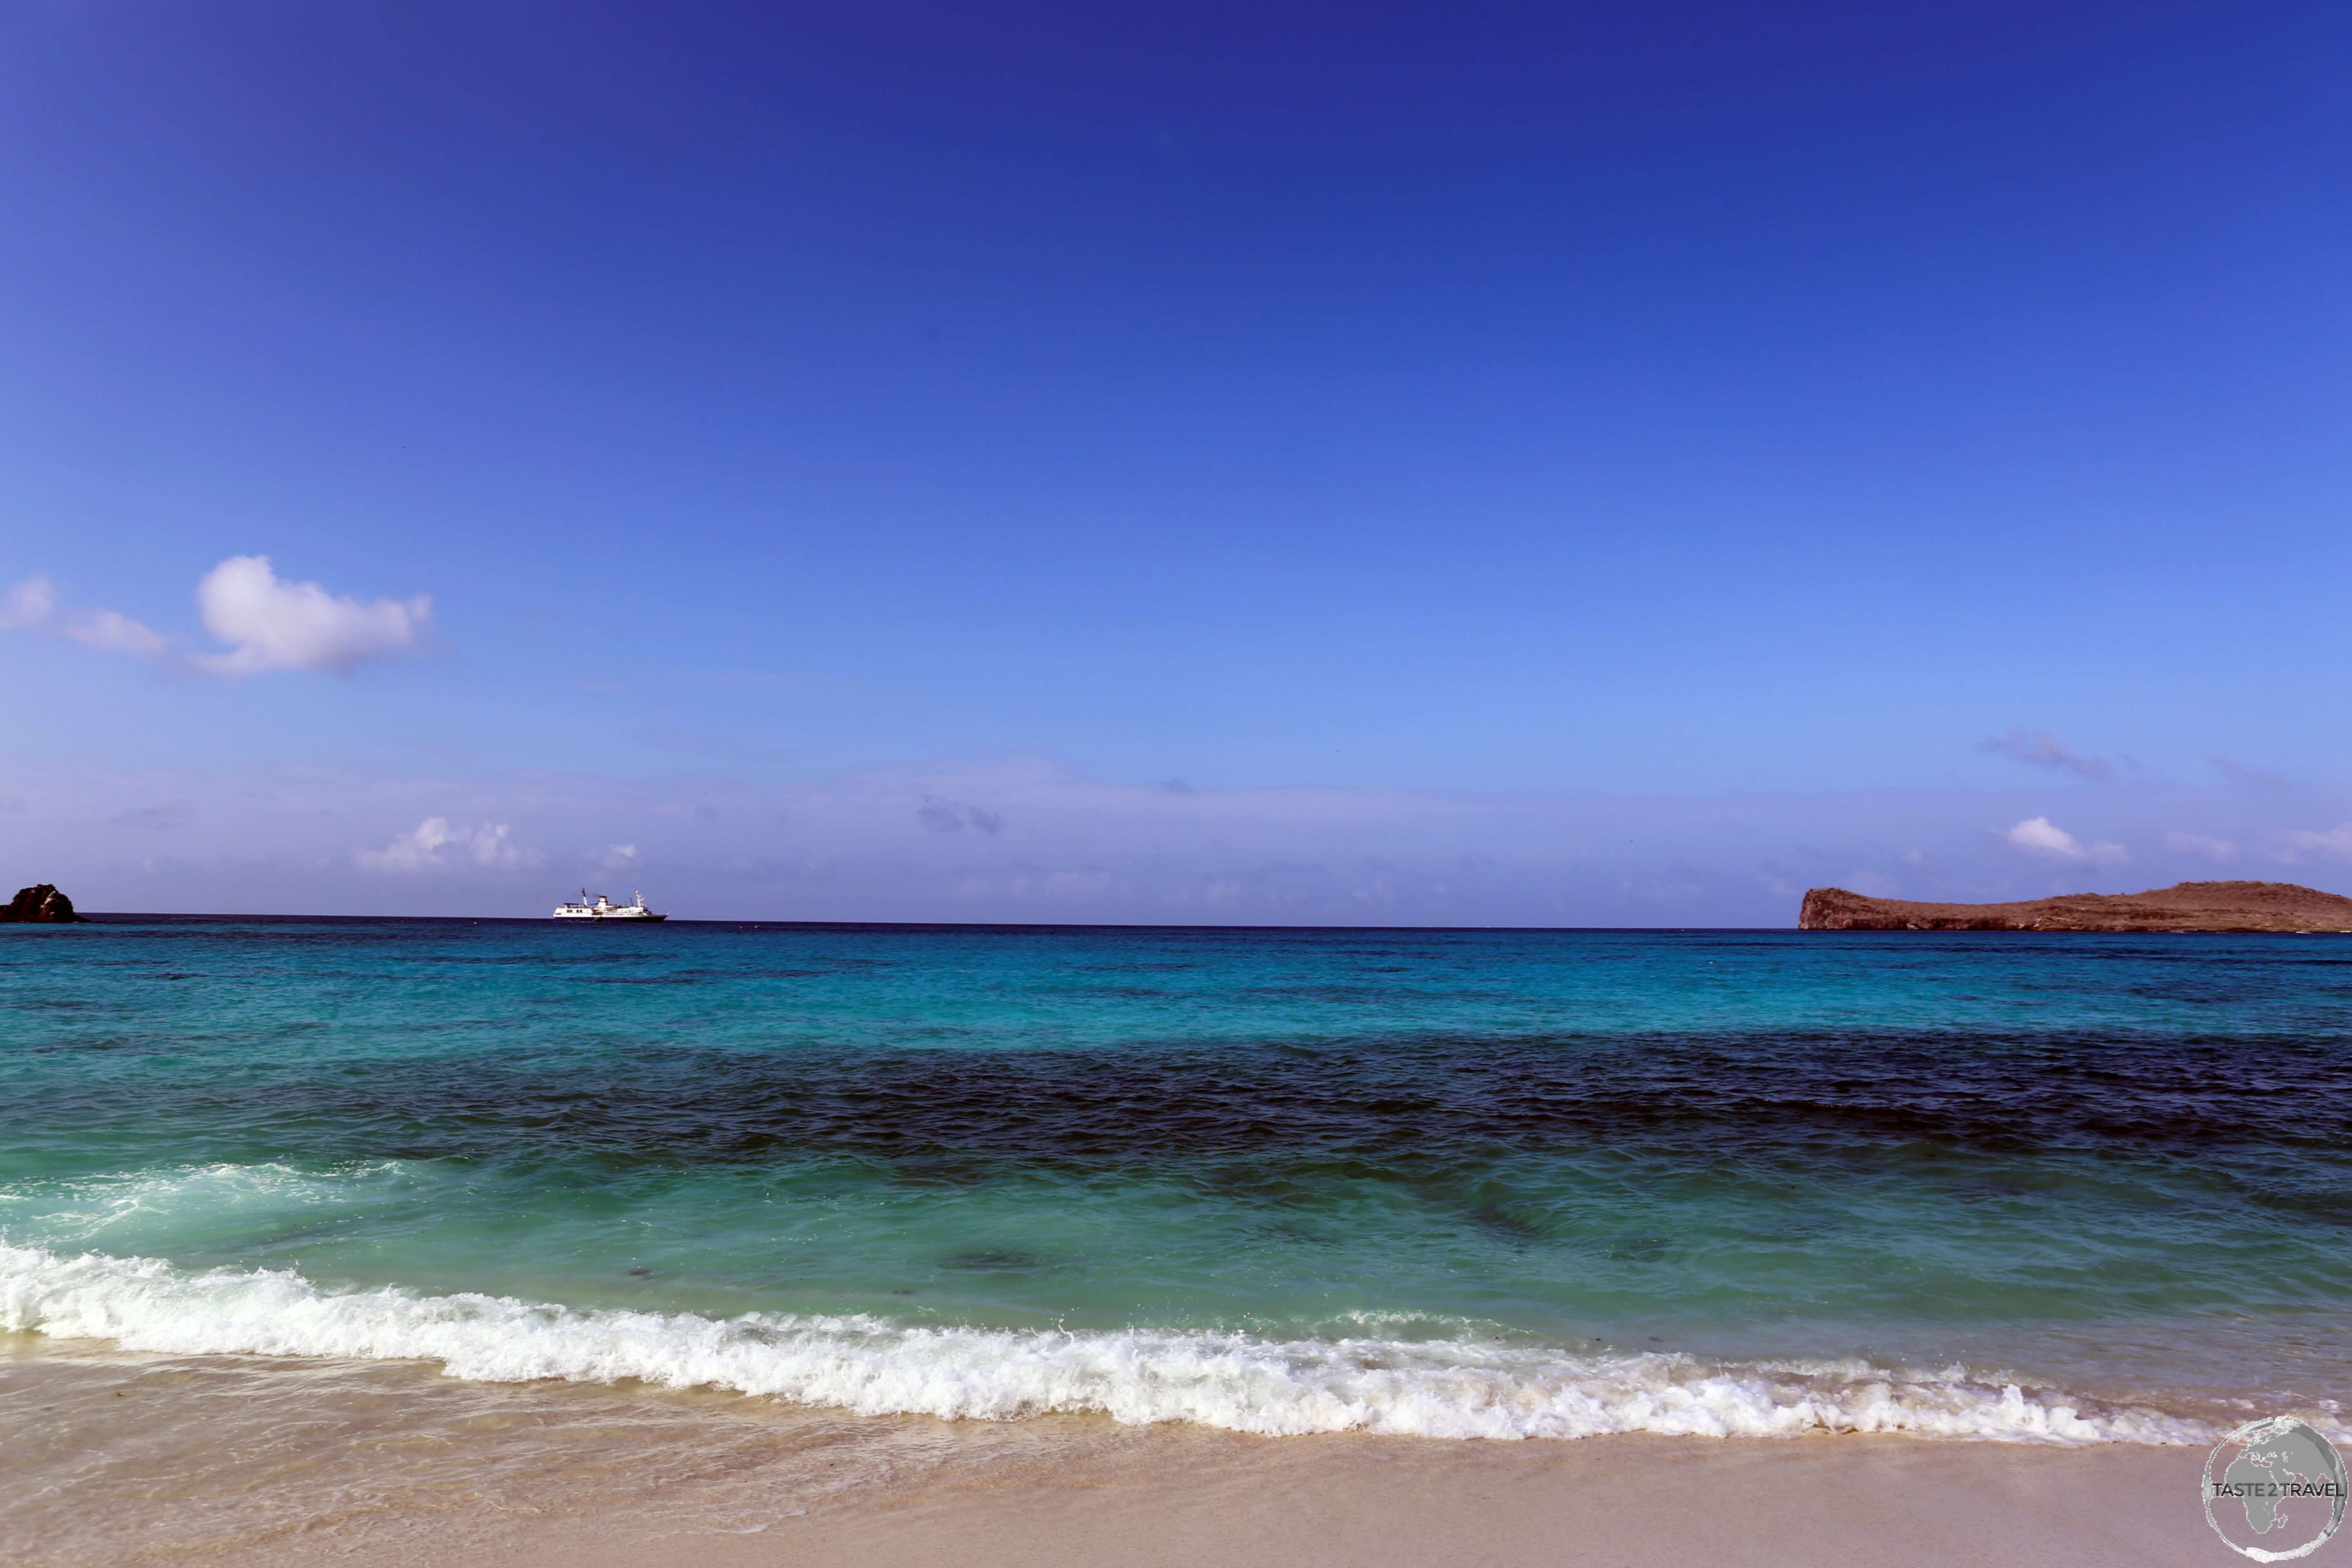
x=1500, y=1184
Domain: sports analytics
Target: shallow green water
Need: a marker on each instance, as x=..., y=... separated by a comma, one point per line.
x=2117, y=1167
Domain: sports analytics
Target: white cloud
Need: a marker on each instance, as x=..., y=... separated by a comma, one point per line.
x=619, y=857
x=267, y=623
x=2036, y=833
x=435, y=846
x=34, y=603
x=115, y=632
x=28, y=604
x=417, y=851
x=2216, y=850
x=491, y=848
x=2040, y=836
x=2336, y=843
x=277, y=624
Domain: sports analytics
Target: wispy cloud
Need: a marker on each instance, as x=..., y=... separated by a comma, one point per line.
x=32, y=605
x=2239, y=773
x=693, y=742
x=944, y=816
x=2336, y=843
x=2039, y=835
x=2041, y=749
x=172, y=814
x=272, y=624
x=433, y=845
x=115, y=632
x=28, y=604
x=2216, y=850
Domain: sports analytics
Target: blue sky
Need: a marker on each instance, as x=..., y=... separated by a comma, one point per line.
x=1561, y=465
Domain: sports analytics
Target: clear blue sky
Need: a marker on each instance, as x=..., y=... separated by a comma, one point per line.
x=1564, y=463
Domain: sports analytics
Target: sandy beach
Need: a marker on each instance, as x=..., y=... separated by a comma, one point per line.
x=1382, y=1502
x=122, y=1458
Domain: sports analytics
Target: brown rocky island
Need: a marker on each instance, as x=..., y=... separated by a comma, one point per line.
x=40, y=904
x=2184, y=905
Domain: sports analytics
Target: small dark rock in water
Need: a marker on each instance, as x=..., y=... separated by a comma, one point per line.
x=997, y=1261
x=40, y=904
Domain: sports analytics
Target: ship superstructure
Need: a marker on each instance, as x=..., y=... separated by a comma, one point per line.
x=605, y=909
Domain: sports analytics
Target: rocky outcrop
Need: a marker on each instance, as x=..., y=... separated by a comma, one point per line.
x=40, y=904
x=2185, y=906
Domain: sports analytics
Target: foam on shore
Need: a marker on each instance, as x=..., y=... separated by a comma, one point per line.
x=1447, y=1388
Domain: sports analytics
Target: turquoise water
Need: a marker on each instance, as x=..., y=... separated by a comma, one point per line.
x=1467, y=1184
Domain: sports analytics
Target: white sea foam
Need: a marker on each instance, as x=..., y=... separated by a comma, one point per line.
x=1446, y=1388
x=110, y=1210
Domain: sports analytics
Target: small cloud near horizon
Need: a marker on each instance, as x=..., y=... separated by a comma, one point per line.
x=2041, y=749
x=2039, y=835
x=422, y=849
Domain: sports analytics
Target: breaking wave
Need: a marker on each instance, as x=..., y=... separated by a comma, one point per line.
x=1451, y=1388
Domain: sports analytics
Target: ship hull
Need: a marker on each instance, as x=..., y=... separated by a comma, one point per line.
x=605, y=909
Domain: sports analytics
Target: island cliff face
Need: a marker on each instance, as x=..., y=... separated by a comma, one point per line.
x=40, y=904
x=2185, y=906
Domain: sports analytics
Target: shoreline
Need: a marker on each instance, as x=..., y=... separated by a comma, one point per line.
x=119, y=1457
x=1393, y=1502
x=1455, y=1388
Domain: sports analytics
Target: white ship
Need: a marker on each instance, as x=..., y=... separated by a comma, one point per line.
x=605, y=909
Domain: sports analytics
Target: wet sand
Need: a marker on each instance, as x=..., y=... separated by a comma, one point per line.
x=108, y=1457
x=1605, y=1500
